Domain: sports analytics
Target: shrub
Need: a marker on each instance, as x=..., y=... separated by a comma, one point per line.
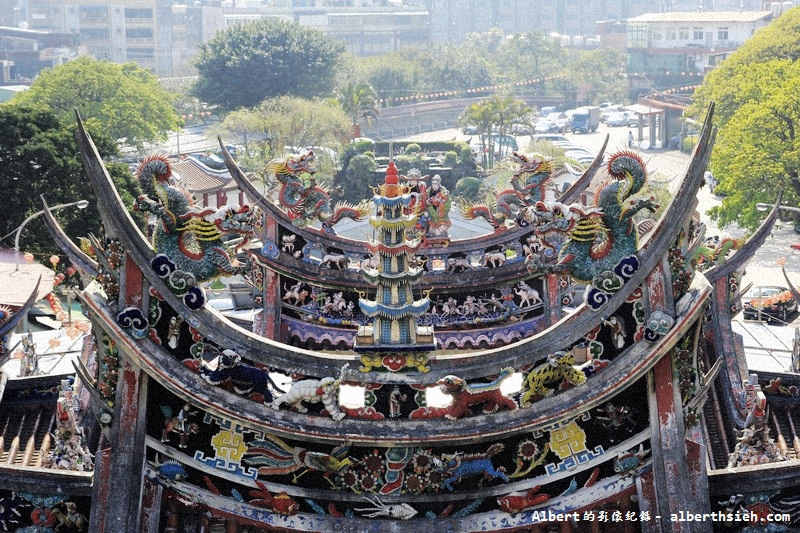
x=413, y=148
x=469, y=187
x=450, y=159
x=356, y=181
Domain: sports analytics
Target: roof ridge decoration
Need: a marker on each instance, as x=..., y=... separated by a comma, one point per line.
x=304, y=200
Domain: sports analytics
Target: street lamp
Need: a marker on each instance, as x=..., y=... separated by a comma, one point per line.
x=766, y=207
x=80, y=204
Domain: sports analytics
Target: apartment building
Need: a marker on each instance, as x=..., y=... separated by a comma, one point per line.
x=159, y=35
x=666, y=47
x=367, y=28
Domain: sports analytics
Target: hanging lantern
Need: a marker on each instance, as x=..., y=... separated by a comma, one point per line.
x=72, y=332
x=54, y=260
x=28, y=257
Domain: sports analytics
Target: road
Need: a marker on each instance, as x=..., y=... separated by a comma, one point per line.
x=669, y=166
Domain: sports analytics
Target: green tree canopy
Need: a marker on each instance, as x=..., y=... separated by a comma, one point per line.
x=266, y=59
x=263, y=132
x=124, y=100
x=392, y=76
x=493, y=117
x=40, y=156
x=358, y=100
x=757, y=108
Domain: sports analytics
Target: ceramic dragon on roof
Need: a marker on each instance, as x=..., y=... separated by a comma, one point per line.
x=190, y=236
x=303, y=199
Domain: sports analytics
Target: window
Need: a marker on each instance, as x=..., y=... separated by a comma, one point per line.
x=405, y=332
x=131, y=13
x=139, y=33
x=94, y=33
x=683, y=33
x=657, y=34
x=386, y=330
x=150, y=53
x=387, y=264
x=671, y=34
x=401, y=295
x=387, y=295
x=400, y=263
x=698, y=34
x=93, y=13
x=722, y=33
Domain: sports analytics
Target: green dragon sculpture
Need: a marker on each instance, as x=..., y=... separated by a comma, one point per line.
x=601, y=236
x=528, y=185
x=188, y=235
x=715, y=252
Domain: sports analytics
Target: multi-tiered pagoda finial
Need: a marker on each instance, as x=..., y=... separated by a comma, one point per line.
x=393, y=340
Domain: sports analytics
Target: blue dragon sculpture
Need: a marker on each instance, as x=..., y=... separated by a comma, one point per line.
x=601, y=236
x=189, y=236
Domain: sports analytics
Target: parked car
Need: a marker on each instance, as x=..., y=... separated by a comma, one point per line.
x=212, y=161
x=545, y=125
x=633, y=120
x=558, y=140
x=774, y=302
x=617, y=119
x=470, y=129
x=580, y=155
x=521, y=129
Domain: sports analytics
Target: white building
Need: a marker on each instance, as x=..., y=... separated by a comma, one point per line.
x=670, y=47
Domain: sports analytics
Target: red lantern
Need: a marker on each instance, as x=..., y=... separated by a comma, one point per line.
x=54, y=260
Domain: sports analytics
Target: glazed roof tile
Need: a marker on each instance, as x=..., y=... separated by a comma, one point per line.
x=201, y=180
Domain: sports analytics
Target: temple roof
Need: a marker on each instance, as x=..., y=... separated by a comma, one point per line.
x=199, y=180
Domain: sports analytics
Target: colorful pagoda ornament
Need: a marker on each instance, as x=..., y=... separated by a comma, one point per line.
x=393, y=341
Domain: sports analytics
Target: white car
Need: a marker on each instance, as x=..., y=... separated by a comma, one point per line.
x=617, y=119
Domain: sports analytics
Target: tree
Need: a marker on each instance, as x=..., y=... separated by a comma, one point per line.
x=358, y=100
x=123, y=100
x=264, y=59
x=392, y=76
x=263, y=132
x=481, y=115
x=40, y=156
x=358, y=178
x=757, y=109
x=493, y=117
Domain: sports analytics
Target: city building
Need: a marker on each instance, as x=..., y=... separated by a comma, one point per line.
x=26, y=52
x=669, y=48
x=156, y=34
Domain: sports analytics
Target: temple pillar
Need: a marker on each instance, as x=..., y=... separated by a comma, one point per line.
x=673, y=479
x=120, y=462
x=735, y=372
x=151, y=507
x=267, y=323
x=674, y=486
x=552, y=298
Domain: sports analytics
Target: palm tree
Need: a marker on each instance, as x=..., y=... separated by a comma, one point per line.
x=358, y=100
x=482, y=116
x=493, y=117
x=508, y=111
